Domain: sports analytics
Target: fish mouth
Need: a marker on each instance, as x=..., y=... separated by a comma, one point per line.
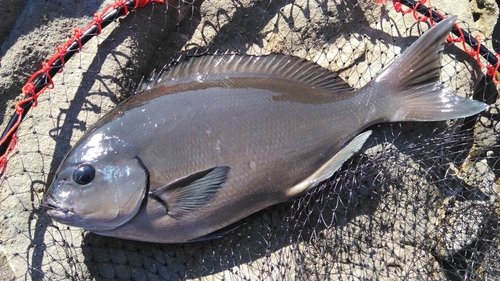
x=51, y=207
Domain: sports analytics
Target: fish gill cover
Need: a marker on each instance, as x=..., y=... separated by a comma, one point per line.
x=419, y=202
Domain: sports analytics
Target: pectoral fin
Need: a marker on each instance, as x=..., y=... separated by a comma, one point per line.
x=192, y=192
x=330, y=167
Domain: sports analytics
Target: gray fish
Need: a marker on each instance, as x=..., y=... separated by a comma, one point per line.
x=217, y=138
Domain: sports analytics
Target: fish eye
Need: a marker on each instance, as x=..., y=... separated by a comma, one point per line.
x=84, y=174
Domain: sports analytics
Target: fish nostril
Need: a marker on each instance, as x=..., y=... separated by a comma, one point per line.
x=49, y=199
x=62, y=182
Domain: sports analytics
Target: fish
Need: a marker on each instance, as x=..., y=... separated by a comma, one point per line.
x=217, y=138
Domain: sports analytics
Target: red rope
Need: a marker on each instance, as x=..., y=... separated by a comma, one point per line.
x=77, y=35
x=421, y=18
x=122, y=4
x=60, y=54
x=3, y=158
x=98, y=21
x=493, y=70
x=398, y=7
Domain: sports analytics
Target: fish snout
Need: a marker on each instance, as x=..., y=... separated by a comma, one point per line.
x=50, y=201
x=50, y=204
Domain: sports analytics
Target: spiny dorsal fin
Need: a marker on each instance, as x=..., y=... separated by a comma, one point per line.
x=192, y=192
x=215, y=67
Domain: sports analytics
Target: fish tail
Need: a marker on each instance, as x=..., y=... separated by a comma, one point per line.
x=412, y=85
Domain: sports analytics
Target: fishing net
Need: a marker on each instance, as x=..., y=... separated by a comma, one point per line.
x=419, y=202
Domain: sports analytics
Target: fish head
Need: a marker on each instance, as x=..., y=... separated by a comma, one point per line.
x=99, y=186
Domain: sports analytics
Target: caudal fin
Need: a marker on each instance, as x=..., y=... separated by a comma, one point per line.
x=413, y=85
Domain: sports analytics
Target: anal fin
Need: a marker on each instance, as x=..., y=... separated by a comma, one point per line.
x=330, y=167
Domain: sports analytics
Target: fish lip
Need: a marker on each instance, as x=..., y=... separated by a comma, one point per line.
x=50, y=204
x=52, y=208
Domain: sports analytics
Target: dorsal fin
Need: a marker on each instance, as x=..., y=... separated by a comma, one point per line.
x=208, y=68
